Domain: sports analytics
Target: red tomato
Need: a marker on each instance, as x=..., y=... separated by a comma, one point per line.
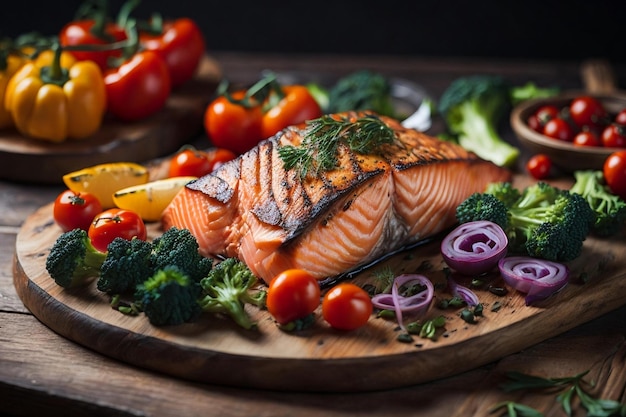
x=347, y=306
x=196, y=163
x=547, y=112
x=615, y=173
x=137, y=88
x=534, y=123
x=614, y=136
x=297, y=106
x=88, y=32
x=587, y=111
x=232, y=126
x=113, y=223
x=620, y=118
x=559, y=129
x=292, y=295
x=180, y=44
x=539, y=166
x=75, y=210
x=587, y=138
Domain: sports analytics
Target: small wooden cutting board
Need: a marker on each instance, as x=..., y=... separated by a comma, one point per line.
x=29, y=160
x=214, y=350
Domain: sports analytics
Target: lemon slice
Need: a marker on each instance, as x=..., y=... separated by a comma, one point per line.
x=105, y=179
x=150, y=199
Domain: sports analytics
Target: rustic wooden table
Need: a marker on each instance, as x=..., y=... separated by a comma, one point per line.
x=43, y=373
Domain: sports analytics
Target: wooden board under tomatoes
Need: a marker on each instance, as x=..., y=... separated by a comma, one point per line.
x=321, y=357
x=29, y=160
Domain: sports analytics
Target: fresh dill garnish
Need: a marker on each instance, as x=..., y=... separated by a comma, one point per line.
x=322, y=136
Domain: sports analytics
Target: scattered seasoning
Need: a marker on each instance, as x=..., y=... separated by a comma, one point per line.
x=496, y=306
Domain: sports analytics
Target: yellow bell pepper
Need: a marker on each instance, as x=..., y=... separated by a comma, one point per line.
x=55, y=97
x=11, y=63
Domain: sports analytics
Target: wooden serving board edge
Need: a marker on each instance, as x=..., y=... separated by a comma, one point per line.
x=357, y=372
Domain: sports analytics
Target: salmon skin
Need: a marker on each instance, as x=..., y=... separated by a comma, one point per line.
x=334, y=221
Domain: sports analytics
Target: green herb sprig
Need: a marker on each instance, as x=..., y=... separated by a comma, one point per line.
x=571, y=387
x=320, y=144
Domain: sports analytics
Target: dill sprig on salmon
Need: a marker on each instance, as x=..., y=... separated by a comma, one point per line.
x=319, y=148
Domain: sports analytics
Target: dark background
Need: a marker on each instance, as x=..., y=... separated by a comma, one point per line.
x=547, y=30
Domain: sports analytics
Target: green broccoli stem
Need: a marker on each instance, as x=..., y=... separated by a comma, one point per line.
x=94, y=259
x=480, y=136
x=232, y=307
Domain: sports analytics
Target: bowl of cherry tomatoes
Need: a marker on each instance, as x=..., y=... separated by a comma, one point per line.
x=575, y=130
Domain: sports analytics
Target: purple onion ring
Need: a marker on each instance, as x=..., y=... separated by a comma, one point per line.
x=537, y=278
x=416, y=303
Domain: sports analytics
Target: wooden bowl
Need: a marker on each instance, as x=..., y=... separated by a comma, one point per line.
x=564, y=155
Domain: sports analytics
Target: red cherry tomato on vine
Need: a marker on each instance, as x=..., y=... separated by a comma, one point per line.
x=292, y=295
x=137, y=88
x=232, y=126
x=197, y=163
x=75, y=210
x=587, y=111
x=180, y=44
x=587, y=138
x=614, y=171
x=297, y=106
x=113, y=223
x=88, y=32
x=539, y=166
x=614, y=136
x=347, y=306
x=558, y=128
x=620, y=118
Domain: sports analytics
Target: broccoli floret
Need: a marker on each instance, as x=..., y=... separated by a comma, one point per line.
x=472, y=107
x=609, y=209
x=169, y=297
x=504, y=191
x=73, y=260
x=544, y=222
x=179, y=247
x=228, y=288
x=127, y=264
x=361, y=90
x=483, y=206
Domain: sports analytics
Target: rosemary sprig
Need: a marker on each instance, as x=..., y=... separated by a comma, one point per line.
x=319, y=148
x=571, y=387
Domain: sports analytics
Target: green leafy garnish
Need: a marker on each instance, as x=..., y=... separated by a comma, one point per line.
x=320, y=144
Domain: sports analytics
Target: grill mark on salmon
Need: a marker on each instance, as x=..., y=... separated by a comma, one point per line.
x=333, y=222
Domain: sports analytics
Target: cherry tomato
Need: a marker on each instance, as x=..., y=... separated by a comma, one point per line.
x=587, y=138
x=534, y=123
x=137, y=88
x=232, y=126
x=197, y=163
x=539, y=166
x=292, y=295
x=615, y=173
x=347, y=306
x=113, y=223
x=558, y=128
x=547, y=112
x=92, y=32
x=297, y=106
x=180, y=44
x=620, y=118
x=587, y=111
x=75, y=210
x=614, y=136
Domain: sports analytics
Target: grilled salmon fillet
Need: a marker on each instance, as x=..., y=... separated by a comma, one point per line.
x=330, y=223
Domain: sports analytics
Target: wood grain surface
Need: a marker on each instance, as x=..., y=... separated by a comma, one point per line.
x=29, y=160
x=367, y=359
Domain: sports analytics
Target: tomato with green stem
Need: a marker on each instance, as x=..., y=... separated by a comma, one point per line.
x=75, y=210
x=137, y=88
x=614, y=171
x=614, y=136
x=178, y=42
x=197, y=163
x=347, y=306
x=288, y=106
x=292, y=295
x=113, y=223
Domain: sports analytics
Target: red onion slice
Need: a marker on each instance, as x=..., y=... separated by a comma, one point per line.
x=416, y=303
x=464, y=293
x=474, y=248
x=537, y=278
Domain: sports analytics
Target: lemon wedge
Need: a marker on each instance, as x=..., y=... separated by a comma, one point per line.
x=150, y=199
x=105, y=179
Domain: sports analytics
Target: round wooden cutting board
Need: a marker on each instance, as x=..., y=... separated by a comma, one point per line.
x=29, y=160
x=215, y=350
